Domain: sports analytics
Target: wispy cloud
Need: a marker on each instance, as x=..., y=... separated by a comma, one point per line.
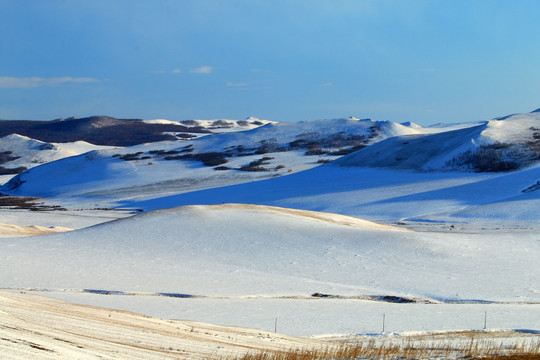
x=238, y=85
x=9, y=82
x=175, y=71
x=256, y=70
x=201, y=70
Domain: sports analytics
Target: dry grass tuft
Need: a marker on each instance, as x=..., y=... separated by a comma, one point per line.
x=472, y=348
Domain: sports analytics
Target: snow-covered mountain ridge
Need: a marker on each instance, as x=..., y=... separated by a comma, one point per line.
x=106, y=130
x=263, y=152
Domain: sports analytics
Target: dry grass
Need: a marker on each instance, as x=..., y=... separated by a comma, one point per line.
x=472, y=348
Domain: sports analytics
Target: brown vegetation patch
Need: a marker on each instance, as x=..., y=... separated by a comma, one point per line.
x=29, y=203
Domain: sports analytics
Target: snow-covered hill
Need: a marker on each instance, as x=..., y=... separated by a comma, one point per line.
x=159, y=175
x=385, y=195
x=106, y=130
x=216, y=126
x=18, y=153
x=240, y=250
x=504, y=144
x=221, y=159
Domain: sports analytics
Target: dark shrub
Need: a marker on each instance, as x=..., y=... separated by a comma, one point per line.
x=221, y=124
x=315, y=150
x=256, y=165
x=211, y=158
x=12, y=171
x=5, y=156
x=496, y=157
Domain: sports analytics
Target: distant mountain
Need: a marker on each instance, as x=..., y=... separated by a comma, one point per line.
x=109, y=131
x=216, y=126
x=98, y=130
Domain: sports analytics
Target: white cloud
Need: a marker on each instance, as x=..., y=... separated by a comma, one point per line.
x=175, y=71
x=237, y=84
x=202, y=70
x=8, y=82
x=255, y=70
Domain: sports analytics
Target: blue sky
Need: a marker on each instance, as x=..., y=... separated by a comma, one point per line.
x=422, y=61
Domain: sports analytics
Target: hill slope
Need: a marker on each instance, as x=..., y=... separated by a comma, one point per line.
x=384, y=195
x=509, y=143
x=236, y=250
x=19, y=153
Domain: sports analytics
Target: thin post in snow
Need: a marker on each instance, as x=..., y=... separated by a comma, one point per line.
x=383, y=321
x=485, y=320
x=275, y=325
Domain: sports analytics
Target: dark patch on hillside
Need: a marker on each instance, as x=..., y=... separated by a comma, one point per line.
x=98, y=130
x=6, y=156
x=500, y=157
x=24, y=202
x=12, y=171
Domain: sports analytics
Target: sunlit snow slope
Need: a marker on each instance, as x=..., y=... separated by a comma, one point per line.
x=251, y=250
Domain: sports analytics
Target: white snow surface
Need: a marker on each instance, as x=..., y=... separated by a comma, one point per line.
x=384, y=195
x=465, y=239
x=243, y=250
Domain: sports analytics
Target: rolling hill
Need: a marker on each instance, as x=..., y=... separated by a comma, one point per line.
x=220, y=159
x=313, y=220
